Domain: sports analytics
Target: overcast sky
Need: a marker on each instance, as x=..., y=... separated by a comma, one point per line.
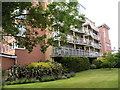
x=104, y=11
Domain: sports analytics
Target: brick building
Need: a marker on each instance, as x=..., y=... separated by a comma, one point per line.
x=81, y=43
x=104, y=38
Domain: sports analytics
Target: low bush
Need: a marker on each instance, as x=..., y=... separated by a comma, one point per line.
x=36, y=70
x=117, y=59
x=105, y=61
x=21, y=81
x=71, y=74
x=97, y=63
x=107, y=64
x=47, y=78
x=75, y=64
x=93, y=66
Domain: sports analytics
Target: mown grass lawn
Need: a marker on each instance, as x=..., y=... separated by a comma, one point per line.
x=97, y=78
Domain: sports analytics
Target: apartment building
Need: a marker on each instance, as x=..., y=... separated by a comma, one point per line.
x=81, y=43
x=104, y=39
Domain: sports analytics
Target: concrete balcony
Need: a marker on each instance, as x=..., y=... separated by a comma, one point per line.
x=87, y=32
x=81, y=41
x=78, y=31
x=64, y=51
x=97, y=38
x=94, y=36
x=86, y=42
x=97, y=46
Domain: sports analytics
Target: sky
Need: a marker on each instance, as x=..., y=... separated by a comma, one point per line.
x=104, y=11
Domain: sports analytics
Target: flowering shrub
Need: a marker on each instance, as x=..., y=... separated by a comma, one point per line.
x=41, y=64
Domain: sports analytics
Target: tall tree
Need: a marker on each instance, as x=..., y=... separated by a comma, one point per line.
x=57, y=17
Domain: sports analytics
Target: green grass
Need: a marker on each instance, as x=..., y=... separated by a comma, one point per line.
x=97, y=78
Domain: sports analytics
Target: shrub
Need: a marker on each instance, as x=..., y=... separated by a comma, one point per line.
x=107, y=61
x=21, y=81
x=35, y=70
x=41, y=64
x=92, y=66
x=97, y=63
x=47, y=78
x=107, y=64
x=71, y=74
x=117, y=59
x=3, y=71
x=75, y=64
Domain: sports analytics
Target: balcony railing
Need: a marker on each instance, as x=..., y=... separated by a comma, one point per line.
x=94, y=36
x=87, y=42
x=87, y=32
x=73, y=52
x=79, y=31
x=81, y=41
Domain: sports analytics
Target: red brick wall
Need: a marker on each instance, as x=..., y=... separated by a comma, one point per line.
x=104, y=39
x=7, y=63
x=23, y=57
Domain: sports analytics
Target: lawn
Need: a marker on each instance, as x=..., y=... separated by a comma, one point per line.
x=97, y=78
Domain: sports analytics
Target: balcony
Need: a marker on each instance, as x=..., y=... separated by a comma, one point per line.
x=97, y=46
x=97, y=38
x=86, y=42
x=80, y=41
x=94, y=36
x=64, y=51
x=78, y=31
x=87, y=32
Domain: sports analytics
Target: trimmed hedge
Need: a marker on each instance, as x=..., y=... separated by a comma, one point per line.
x=75, y=64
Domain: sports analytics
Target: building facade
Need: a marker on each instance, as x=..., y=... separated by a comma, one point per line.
x=81, y=43
x=104, y=39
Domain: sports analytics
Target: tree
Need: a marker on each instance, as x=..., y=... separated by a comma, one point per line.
x=58, y=16
x=117, y=59
x=109, y=61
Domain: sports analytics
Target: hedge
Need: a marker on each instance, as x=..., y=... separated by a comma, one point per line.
x=75, y=64
x=36, y=70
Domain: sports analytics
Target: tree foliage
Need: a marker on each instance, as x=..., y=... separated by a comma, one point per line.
x=117, y=59
x=57, y=17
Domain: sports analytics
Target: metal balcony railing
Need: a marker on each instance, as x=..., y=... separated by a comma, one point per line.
x=64, y=51
x=87, y=32
x=87, y=42
x=79, y=31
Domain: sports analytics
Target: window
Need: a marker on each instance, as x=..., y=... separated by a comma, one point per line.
x=3, y=49
x=11, y=37
x=6, y=38
x=68, y=36
x=104, y=33
x=13, y=45
x=22, y=29
x=10, y=47
x=108, y=44
x=6, y=48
